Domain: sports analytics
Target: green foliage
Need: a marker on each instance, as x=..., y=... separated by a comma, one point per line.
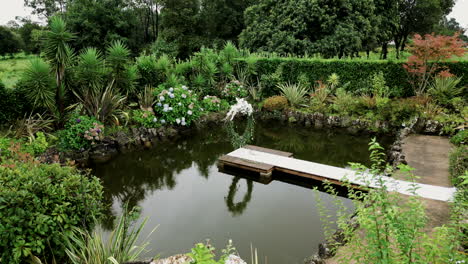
x=176, y=106
x=34, y=147
x=146, y=119
x=275, y=103
x=391, y=227
x=233, y=90
x=162, y=47
x=39, y=204
x=379, y=87
x=148, y=71
x=293, y=92
x=239, y=140
x=10, y=43
x=274, y=70
x=118, y=61
x=214, y=104
x=444, y=89
x=460, y=138
x=121, y=246
x=204, y=254
x=13, y=104
x=90, y=72
x=80, y=133
x=39, y=84
x=458, y=163
x=343, y=102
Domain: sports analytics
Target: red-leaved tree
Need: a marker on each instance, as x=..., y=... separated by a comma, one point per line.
x=426, y=54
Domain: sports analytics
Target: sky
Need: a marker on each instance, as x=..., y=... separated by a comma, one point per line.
x=9, y=9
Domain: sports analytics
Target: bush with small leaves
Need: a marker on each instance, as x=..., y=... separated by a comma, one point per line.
x=39, y=203
x=275, y=103
x=145, y=119
x=214, y=104
x=233, y=90
x=80, y=133
x=176, y=105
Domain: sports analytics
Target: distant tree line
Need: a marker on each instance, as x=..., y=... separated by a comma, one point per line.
x=181, y=27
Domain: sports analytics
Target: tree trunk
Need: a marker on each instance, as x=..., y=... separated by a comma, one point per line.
x=384, y=53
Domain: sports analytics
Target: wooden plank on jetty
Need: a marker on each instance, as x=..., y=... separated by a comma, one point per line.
x=265, y=161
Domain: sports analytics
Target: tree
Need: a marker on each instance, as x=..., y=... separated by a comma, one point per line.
x=223, y=19
x=26, y=31
x=426, y=53
x=418, y=16
x=448, y=27
x=60, y=55
x=46, y=8
x=10, y=43
x=181, y=25
x=100, y=22
x=332, y=28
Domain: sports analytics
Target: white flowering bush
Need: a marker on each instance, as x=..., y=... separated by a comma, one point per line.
x=176, y=105
x=214, y=104
x=244, y=108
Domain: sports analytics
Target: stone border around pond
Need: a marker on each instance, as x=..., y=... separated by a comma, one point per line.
x=137, y=138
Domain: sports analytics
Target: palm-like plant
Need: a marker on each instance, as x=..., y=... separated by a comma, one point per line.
x=118, y=60
x=443, y=89
x=39, y=83
x=59, y=54
x=90, y=71
x=293, y=92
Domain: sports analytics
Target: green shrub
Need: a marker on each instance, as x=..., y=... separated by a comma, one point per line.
x=80, y=133
x=275, y=103
x=145, y=119
x=13, y=105
x=458, y=163
x=148, y=71
x=319, y=69
x=39, y=203
x=460, y=138
x=233, y=90
x=344, y=103
x=214, y=104
x=177, y=105
x=35, y=147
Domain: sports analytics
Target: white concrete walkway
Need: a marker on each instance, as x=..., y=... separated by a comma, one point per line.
x=304, y=168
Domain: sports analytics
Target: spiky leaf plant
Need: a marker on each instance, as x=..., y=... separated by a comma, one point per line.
x=39, y=84
x=90, y=71
x=293, y=92
x=443, y=89
x=118, y=61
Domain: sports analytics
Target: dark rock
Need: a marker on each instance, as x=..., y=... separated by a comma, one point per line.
x=315, y=259
x=324, y=251
x=103, y=152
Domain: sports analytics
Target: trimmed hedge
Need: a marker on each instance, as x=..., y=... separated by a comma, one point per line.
x=356, y=72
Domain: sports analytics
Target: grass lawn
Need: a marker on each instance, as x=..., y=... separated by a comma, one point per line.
x=11, y=69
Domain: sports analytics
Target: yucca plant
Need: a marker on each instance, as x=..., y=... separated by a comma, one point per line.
x=90, y=71
x=293, y=92
x=118, y=61
x=84, y=247
x=39, y=84
x=443, y=89
x=104, y=103
x=60, y=55
x=31, y=124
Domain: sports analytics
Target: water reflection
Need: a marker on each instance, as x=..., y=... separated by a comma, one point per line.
x=178, y=186
x=239, y=207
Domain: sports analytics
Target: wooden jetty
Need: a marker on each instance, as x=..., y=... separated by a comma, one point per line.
x=264, y=161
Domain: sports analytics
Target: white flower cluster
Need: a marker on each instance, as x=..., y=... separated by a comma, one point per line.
x=241, y=107
x=233, y=259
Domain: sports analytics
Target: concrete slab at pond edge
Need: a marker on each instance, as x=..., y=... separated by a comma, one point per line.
x=265, y=161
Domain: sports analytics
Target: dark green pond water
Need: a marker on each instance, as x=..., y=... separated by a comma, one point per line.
x=179, y=188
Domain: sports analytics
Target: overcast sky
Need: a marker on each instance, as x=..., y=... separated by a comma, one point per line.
x=9, y=9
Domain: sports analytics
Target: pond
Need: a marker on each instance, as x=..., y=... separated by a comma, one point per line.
x=178, y=187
